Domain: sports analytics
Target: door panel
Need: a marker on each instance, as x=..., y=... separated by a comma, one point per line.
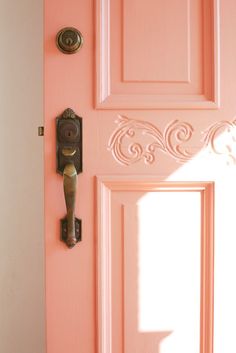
x=157, y=54
x=154, y=133
x=155, y=265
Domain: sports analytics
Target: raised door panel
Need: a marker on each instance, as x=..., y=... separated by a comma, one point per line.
x=155, y=266
x=157, y=54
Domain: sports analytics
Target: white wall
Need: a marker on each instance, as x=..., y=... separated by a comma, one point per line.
x=21, y=177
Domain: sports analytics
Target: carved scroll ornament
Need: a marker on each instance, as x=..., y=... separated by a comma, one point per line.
x=127, y=149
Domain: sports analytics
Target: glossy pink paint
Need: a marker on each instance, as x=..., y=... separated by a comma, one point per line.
x=156, y=63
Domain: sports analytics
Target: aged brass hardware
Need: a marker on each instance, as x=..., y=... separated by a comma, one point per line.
x=71, y=226
x=69, y=164
x=41, y=131
x=69, y=40
x=68, y=151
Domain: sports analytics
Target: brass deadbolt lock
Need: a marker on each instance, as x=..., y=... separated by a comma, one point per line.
x=69, y=40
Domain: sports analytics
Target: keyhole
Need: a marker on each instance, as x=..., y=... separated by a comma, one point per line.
x=68, y=134
x=69, y=131
x=69, y=41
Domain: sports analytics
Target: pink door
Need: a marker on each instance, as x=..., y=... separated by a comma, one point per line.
x=155, y=84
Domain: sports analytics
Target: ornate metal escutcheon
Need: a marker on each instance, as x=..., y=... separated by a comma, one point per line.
x=69, y=164
x=69, y=40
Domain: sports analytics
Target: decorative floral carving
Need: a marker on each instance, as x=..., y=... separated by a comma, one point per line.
x=220, y=138
x=171, y=141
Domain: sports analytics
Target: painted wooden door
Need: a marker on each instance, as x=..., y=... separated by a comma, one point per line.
x=155, y=83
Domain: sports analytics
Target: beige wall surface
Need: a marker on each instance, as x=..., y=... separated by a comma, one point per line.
x=21, y=177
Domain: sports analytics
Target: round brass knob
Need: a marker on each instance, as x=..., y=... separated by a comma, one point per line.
x=69, y=40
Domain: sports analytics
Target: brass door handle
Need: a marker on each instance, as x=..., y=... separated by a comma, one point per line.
x=69, y=164
x=70, y=186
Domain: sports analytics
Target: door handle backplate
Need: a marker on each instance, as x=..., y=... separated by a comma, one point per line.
x=69, y=164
